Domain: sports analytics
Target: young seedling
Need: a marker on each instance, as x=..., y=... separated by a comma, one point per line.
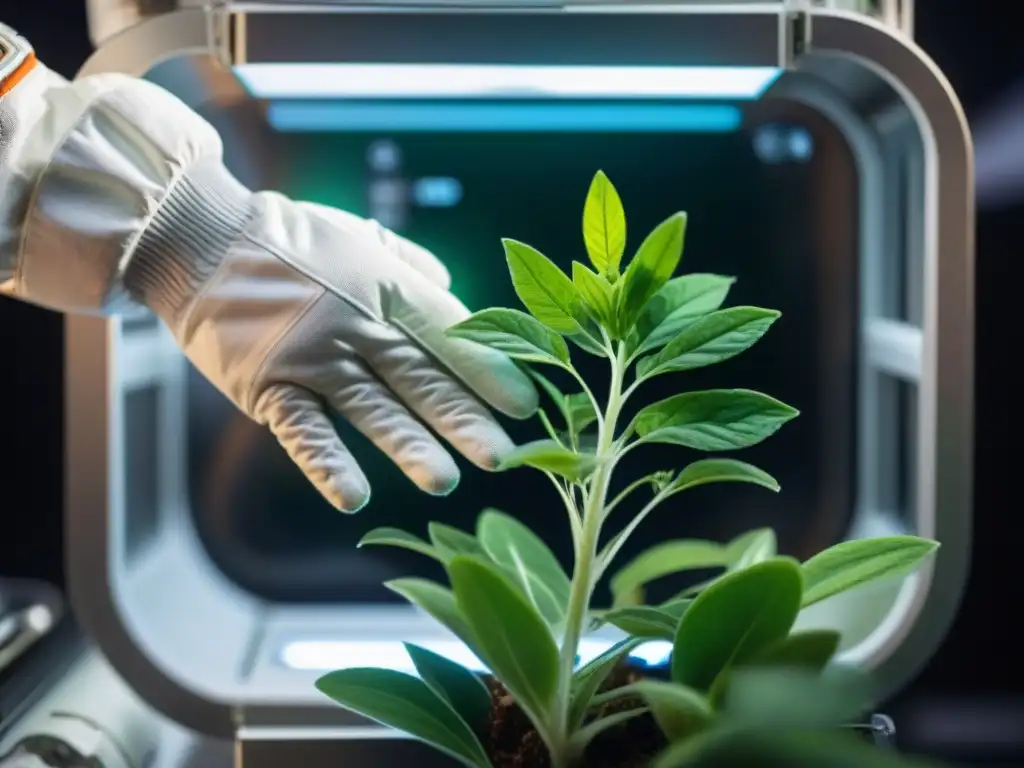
x=509, y=599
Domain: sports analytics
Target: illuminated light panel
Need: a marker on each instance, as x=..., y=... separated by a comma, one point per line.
x=437, y=192
x=288, y=116
x=418, y=81
x=326, y=655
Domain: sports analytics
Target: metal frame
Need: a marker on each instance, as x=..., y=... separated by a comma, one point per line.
x=906, y=628
x=108, y=18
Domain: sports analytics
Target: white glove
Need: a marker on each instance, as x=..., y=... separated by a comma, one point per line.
x=290, y=309
x=305, y=307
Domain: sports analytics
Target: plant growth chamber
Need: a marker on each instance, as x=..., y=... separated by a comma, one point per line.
x=824, y=161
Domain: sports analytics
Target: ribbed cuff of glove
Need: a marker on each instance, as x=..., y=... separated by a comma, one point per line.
x=202, y=216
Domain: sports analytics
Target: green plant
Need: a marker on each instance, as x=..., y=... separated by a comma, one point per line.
x=510, y=600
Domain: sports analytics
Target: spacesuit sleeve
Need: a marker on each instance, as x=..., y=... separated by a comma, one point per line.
x=84, y=168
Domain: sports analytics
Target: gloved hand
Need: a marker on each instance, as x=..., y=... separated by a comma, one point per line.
x=291, y=309
x=301, y=308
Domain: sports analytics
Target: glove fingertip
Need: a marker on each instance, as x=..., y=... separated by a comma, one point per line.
x=438, y=480
x=442, y=489
x=347, y=496
x=521, y=410
x=520, y=397
x=489, y=446
x=352, y=508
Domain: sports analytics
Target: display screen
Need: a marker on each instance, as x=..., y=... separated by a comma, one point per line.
x=772, y=205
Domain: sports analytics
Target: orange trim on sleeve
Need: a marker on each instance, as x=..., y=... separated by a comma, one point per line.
x=18, y=75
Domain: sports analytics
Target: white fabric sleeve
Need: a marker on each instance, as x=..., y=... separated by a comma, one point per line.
x=85, y=173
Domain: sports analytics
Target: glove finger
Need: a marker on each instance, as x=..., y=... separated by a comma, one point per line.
x=368, y=405
x=420, y=259
x=417, y=257
x=437, y=398
x=297, y=419
x=426, y=313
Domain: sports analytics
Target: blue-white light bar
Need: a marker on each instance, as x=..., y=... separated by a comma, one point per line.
x=287, y=116
x=418, y=81
x=326, y=655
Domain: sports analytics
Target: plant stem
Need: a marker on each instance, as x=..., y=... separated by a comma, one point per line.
x=584, y=573
x=633, y=388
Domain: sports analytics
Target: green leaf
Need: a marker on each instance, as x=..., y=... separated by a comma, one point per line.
x=437, y=601
x=811, y=649
x=515, y=333
x=676, y=608
x=577, y=409
x=745, y=550
x=714, y=419
x=542, y=287
x=589, y=678
x=663, y=560
x=606, y=661
x=856, y=562
x=643, y=621
x=727, y=748
x=463, y=690
x=596, y=292
x=750, y=548
x=696, y=589
x=651, y=267
x=579, y=412
x=587, y=344
x=604, y=225
x=734, y=619
x=709, y=340
x=779, y=697
x=722, y=471
x=579, y=740
x=528, y=561
x=406, y=704
x=681, y=301
x=449, y=541
x=679, y=711
x=549, y=456
x=395, y=537
x=512, y=638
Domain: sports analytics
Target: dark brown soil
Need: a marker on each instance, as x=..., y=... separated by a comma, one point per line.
x=513, y=743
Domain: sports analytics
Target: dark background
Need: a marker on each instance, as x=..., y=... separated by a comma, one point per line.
x=980, y=52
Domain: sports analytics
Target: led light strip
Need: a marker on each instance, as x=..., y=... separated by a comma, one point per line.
x=341, y=81
x=288, y=116
x=325, y=655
